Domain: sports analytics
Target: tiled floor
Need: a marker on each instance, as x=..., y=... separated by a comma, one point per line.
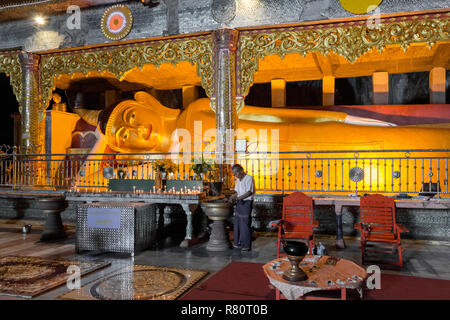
x=422, y=258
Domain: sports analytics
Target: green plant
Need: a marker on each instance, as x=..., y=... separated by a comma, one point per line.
x=202, y=166
x=165, y=166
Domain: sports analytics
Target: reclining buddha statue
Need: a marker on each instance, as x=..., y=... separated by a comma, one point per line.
x=145, y=125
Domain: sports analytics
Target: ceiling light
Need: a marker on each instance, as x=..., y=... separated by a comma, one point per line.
x=39, y=20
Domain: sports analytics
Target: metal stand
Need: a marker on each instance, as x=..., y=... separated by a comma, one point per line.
x=218, y=240
x=54, y=229
x=52, y=207
x=294, y=273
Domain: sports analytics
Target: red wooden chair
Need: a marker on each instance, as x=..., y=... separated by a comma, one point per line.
x=297, y=220
x=377, y=225
x=296, y=223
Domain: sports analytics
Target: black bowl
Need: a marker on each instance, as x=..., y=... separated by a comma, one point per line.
x=295, y=248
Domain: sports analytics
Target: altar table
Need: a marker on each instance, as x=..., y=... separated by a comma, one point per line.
x=324, y=273
x=189, y=203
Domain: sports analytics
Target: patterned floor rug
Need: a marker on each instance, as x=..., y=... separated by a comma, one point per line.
x=139, y=282
x=30, y=276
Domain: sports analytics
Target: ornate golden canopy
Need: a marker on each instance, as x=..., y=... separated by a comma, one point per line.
x=120, y=59
x=348, y=38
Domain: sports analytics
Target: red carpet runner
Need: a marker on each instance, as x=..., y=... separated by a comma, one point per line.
x=246, y=281
x=237, y=281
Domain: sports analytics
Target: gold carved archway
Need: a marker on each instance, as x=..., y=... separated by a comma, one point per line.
x=348, y=38
x=10, y=64
x=119, y=59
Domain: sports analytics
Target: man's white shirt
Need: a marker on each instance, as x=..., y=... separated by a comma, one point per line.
x=243, y=186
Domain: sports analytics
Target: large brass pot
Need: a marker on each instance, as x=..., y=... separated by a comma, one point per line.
x=218, y=212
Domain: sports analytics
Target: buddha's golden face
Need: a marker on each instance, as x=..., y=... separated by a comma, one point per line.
x=56, y=98
x=136, y=129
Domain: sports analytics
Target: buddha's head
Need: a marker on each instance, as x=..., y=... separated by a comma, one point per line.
x=56, y=97
x=132, y=127
x=136, y=125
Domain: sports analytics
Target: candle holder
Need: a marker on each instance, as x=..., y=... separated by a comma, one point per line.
x=295, y=251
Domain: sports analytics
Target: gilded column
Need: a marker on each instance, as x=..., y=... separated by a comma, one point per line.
x=29, y=101
x=380, y=81
x=437, y=85
x=225, y=43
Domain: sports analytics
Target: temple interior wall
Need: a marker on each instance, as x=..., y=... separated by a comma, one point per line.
x=173, y=17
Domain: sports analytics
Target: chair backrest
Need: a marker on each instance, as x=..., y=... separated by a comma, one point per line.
x=297, y=215
x=378, y=211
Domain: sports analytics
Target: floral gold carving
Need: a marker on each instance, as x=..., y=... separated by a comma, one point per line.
x=350, y=40
x=120, y=59
x=10, y=64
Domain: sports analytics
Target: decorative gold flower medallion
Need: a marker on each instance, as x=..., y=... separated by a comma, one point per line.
x=117, y=22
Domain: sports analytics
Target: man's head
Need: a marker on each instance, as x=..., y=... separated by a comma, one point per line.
x=238, y=171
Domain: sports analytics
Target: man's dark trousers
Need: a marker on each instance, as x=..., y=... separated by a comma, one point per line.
x=242, y=224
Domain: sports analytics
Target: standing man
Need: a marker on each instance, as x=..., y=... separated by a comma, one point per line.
x=245, y=190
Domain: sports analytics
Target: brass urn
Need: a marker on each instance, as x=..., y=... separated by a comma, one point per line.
x=218, y=212
x=295, y=251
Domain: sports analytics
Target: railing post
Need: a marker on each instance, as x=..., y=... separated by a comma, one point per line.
x=14, y=168
x=48, y=148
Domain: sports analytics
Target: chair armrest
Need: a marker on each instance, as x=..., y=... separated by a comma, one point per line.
x=315, y=223
x=280, y=225
x=400, y=228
